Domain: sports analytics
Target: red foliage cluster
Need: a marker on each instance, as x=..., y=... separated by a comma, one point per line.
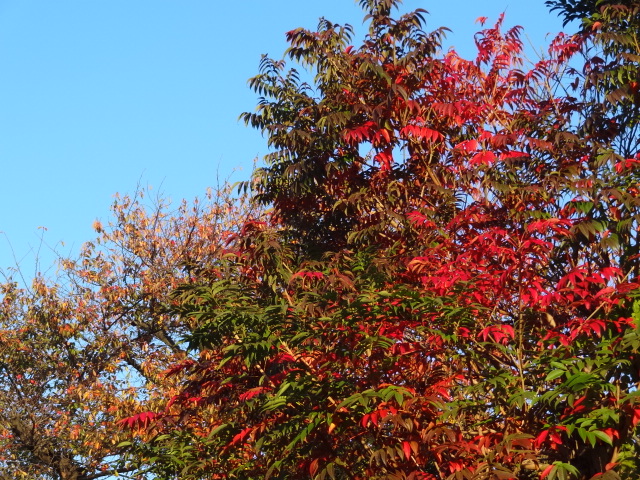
x=447, y=286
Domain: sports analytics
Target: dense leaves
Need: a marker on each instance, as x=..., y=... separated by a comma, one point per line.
x=447, y=285
x=86, y=348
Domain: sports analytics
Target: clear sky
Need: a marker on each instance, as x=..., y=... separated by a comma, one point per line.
x=98, y=96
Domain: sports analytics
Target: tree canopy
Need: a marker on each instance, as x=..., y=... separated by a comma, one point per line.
x=85, y=348
x=436, y=276
x=446, y=287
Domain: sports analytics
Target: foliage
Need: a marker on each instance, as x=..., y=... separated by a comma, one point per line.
x=610, y=73
x=447, y=286
x=84, y=349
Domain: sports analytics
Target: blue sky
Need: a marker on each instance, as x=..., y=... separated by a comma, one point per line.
x=99, y=96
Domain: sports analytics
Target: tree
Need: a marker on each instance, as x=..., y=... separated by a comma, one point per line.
x=447, y=286
x=83, y=349
x=609, y=31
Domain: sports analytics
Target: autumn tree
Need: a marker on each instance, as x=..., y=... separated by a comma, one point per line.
x=85, y=348
x=447, y=286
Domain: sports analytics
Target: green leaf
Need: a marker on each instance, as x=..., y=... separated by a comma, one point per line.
x=603, y=436
x=555, y=374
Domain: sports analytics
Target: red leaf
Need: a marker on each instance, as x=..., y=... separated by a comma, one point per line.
x=252, y=392
x=541, y=438
x=240, y=436
x=467, y=146
x=483, y=158
x=313, y=467
x=174, y=370
x=423, y=133
x=140, y=420
x=365, y=419
x=546, y=472
x=636, y=416
x=406, y=446
x=385, y=158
